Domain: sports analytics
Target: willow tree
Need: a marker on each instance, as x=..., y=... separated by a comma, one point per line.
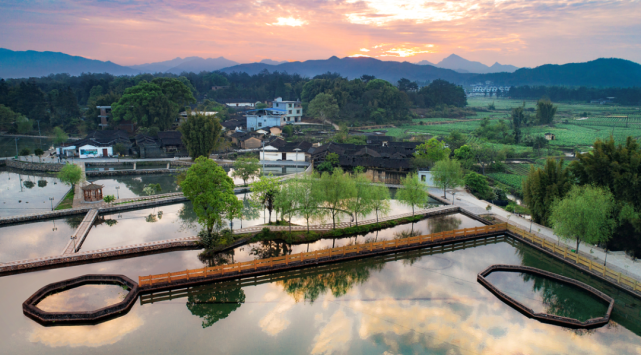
x=380, y=199
x=413, y=193
x=447, y=174
x=308, y=199
x=335, y=191
x=584, y=214
x=362, y=202
x=264, y=191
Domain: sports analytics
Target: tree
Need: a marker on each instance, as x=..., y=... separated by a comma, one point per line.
x=286, y=201
x=335, y=190
x=380, y=199
x=323, y=106
x=249, y=210
x=545, y=111
x=288, y=130
x=518, y=118
x=155, y=103
x=59, y=136
x=23, y=124
x=447, y=173
x=307, y=196
x=201, y=135
x=441, y=92
x=414, y=192
x=152, y=189
x=209, y=189
x=455, y=140
x=70, y=174
x=430, y=152
x=331, y=162
x=246, y=168
x=120, y=148
x=584, y=214
x=264, y=191
x=543, y=186
x=233, y=208
x=7, y=117
x=25, y=152
x=109, y=198
x=362, y=203
x=465, y=155
x=39, y=152
x=477, y=184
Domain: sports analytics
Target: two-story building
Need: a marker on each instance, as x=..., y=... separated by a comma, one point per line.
x=294, y=109
x=265, y=117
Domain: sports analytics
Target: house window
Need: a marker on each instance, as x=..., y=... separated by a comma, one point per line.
x=290, y=112
x=290, y=105
x=260, y=124
x=423, y=177
x=297, y=111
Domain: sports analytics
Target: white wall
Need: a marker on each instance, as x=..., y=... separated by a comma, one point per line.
x=272, y=156
x=293, y=157
x=89, y=151
x=426, y=178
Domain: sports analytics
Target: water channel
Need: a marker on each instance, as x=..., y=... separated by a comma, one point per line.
x=24, y=192
x=425, y=301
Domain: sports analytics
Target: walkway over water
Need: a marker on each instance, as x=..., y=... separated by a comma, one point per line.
x=81, y=233
x=301, y=260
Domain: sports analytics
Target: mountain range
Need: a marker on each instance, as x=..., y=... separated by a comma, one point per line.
x=601, y=72
x=27, y=64
x=463, y=65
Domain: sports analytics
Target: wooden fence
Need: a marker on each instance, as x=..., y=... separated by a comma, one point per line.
x=566, y=253
x=310, y=257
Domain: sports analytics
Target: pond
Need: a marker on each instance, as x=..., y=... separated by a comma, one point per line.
x=83, y=298
x=179, y=221
x=131, y=186
x=549, y=296
x=36, y=239
x=424, y=301
x=25, y=192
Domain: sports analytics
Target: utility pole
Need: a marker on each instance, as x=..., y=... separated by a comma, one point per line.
x=51, y=199
x=16, y=147
x=38, y=127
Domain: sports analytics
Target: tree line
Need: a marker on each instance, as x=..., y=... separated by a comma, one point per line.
x=623, y=96
x=594, y=199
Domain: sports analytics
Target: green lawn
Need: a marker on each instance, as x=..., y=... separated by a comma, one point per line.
x=67, y=203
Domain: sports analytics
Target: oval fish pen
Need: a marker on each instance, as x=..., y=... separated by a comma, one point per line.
x=545, y=317
x=31, y=310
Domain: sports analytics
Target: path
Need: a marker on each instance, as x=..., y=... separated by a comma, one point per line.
x=618, y=260
x=79, y=236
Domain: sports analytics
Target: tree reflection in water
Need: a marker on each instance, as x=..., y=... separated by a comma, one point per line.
x=215, y=305
x=559, y=298
x=270, y=249
x=443, y=223
x=338, y=281
x=220, y=258
x=187, y=217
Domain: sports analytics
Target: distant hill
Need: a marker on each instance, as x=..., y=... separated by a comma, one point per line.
x=463, y=65
x=197, y=64
x=160, y=67
x=425, y=62
x=355, y=68
x=25, y=64
x=603, y=72
x=272, y=62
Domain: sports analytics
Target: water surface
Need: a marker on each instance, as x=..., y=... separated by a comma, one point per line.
x=83, y=298
x=545, y=295
x=36, y=239
x=25, y=192
x=425, y=301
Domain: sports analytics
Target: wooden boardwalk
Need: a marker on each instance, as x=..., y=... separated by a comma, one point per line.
x=81, y=232
x=310, y=259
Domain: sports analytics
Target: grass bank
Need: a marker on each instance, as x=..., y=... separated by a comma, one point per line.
x=67, y=202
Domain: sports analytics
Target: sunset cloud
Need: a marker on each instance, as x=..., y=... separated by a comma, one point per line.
x=519, y=32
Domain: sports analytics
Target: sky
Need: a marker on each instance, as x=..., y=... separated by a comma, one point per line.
x=525, y=33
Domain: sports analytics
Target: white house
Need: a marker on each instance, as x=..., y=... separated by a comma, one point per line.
x=265, y=117
x=426, y=178
x=90, y=151
x=291, y=151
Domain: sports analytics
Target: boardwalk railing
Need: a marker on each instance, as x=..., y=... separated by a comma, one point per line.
x=301, y=258
x=566, y=253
